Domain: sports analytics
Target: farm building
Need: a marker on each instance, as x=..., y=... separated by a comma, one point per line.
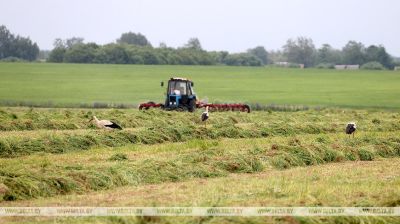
x=347, y=67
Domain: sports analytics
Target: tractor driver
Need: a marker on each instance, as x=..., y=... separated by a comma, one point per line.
x=174, y=91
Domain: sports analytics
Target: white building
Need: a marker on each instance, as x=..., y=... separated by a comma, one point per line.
x=347, y=67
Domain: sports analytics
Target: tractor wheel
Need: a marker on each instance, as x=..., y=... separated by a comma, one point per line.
x=180, y=108
x=247, y=108
x=192, y=106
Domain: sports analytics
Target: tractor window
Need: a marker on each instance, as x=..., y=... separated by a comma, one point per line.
x=189, y=89
x=177, y=88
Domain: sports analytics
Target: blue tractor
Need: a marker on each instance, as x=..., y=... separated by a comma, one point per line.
x=180, y=96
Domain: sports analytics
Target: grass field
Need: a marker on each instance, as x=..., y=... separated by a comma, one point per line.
x=75, y=84
x=55, y=157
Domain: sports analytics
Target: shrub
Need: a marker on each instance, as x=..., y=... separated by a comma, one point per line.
x=12, y=59
x=372, y=65
x=293, y=65
x=326, y=66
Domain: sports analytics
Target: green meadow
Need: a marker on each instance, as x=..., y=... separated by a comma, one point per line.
x=56, y=157
x=76, y=84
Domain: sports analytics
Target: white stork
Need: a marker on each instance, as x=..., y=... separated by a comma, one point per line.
x=105, y=124
x=204, y=116
x=351, y=128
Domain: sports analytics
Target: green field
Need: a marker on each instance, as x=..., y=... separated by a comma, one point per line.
x=55, y=157
x=75, y=84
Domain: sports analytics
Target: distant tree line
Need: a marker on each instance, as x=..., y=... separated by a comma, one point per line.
x=134, y=48
x=16, y=47
x=303, y=51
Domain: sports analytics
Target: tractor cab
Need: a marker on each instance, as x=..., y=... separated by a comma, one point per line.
x=180, y=94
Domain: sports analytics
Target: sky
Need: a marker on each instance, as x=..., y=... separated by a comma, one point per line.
x=232, y=25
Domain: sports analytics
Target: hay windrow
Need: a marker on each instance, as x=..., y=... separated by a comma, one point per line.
x=27, y=131
x=32, y=133
x=205, y=159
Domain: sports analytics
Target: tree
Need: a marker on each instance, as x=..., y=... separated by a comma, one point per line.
x=24, y=48
x=354, y=53
x=112, y=54
x=260, y=53
x=72, y=50
x=169, y=56
x=58, y=52
x=57, y=55
x=81, y=53
x=301, y=51
x=59, y=43
x=194, y=44
x=379, y=54
x=69, y=43
x=134, y=39
x=372, y=65
x=242, y=59
x=6, y=39
x=326, y=54
x=218, y=56
x=150, y=57
x=16, y=46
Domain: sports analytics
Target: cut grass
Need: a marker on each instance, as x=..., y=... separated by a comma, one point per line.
x=17, y=119
x=47, y=175
x=337, y=184
x=247, y=151
x=43, y=182
x=312, y=121
x=152, y=127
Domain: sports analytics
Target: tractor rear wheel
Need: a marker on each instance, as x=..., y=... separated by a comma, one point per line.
x=192, y=105
x=247, y=108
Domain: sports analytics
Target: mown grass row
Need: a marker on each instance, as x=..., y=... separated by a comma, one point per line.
x=338, y=184
x=43, y=178
x=156, y=126
x=12, y=145
x=51, y=179
x=18, y=119
x=322, y=151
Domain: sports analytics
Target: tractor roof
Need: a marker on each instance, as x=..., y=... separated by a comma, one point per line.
x=179, y=79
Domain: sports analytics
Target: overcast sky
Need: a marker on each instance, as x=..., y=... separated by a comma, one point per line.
x=233, y=25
